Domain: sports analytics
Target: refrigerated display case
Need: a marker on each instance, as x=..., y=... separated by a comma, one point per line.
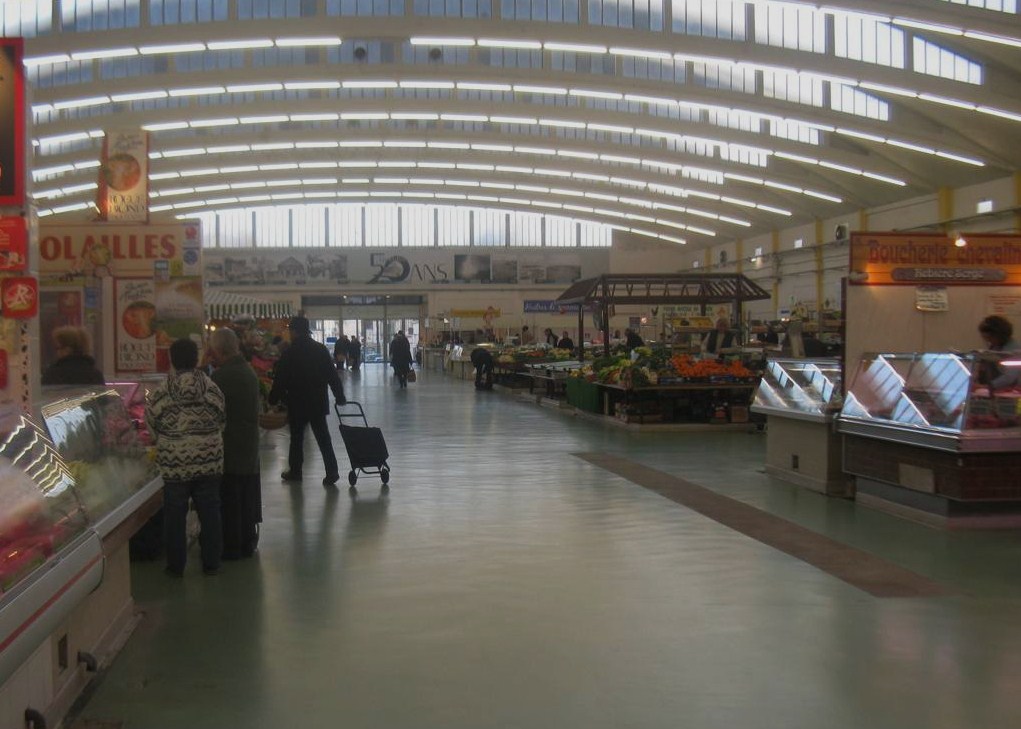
x=923, y=431
x=75, y=482
x=800, y=398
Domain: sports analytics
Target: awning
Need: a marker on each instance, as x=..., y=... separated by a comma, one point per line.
x=226, y=305
x=664, y=288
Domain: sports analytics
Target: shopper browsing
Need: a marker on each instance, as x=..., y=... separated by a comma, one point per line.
x=74, y=364
x=565, y=341
x=719, y=338
x=304, y=374
x=186, y=417
x=241, y=486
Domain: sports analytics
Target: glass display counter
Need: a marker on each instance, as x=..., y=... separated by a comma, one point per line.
x=75, y=481
x=923, y=433
x=800, y=398
x=800, y=388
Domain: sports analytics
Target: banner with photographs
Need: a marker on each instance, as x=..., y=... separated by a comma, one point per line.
x=150, y=315
x=310, y=266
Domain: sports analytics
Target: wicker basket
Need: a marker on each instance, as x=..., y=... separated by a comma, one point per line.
x=273, y=419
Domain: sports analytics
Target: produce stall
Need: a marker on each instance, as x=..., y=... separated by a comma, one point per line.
x=610, y=292
x=922, y=438
x=76, y=484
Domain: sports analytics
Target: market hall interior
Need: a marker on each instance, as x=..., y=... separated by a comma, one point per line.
x=507, y=580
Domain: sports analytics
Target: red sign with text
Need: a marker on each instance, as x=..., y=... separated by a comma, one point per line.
x=20, y=297
x=13, y=243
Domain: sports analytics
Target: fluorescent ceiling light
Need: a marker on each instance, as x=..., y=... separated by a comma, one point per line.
x=227, y=148
x=192, y=152
x=473, y=86
x=883, y=88
x=1013, y=116
x=796, y=158
x=611, y=128
x=406, y=144
x=438, y=41
x=300, y=42
x=368, y=116
x=884, y=178
x=448, y=145
x=574, y=47
x=370, y=84
x=464, y=117
x=104, y=53
x=947, y=101
x=487, y=147
x=271, y=146
x=226, y=121
x=311, y=85
x=562, y=124
x=861, y=135
x=139, y=96
x=597, y=94
x=641, y=53
x=197, y=91
x=552, y=90
x=164, y=126
x=777, y=211
x=252, y=88
x=513, y=120
x=1003, y=40
x=959, y=158
x=932, y=27
x=172, y=48
x=515, y=44
x=840, y=168
x=414, y=116
x=656, y=100
x=234, y=45
x=909, y=145
x=43, y=60
x=823, y=196
x=316, y=145
x=314, y=117
x=267, y=119
x=77, y=103
x=427, y=84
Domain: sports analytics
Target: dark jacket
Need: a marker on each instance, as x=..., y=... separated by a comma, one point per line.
x=75, y=369
x=303, y=373
x=400, y=354
x=633, y=341
x=565, y=343
x=714, y=345
x=240, y=386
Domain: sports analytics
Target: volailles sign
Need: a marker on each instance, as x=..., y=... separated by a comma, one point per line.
x=116, y=250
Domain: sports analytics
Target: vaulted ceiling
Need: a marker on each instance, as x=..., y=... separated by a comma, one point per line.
x=693, y=121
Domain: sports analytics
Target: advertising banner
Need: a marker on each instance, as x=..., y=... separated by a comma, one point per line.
x=436, y=267
x=913, y=259
x=13, y=243
x=113, y=250
x=12, y=122
x=123, y=194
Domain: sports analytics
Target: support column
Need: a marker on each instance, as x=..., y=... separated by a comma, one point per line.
x=945, y=205
x=863, y=219
x=775, y=248
x=739, y=255
x=820, y=273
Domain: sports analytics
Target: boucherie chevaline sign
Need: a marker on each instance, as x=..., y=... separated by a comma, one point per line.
x=113, y=250
x=912, y=259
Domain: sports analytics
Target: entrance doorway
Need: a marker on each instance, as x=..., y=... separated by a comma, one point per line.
x=373, y=319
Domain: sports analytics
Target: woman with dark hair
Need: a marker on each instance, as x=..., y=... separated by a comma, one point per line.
x=998, y=335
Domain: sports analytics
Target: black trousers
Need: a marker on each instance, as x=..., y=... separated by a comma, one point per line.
x=241, y=513
x=296, y=454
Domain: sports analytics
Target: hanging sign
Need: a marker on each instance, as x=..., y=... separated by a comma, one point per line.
x=13, y=243
x=12, y=122
x=123, y=194
x=20, y=296
x=112, y=250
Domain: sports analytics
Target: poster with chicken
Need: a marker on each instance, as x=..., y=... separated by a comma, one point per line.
x=135, y=325
x=124, y=177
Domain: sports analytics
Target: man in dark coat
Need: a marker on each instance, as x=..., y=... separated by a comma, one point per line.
x=482, y=360
x=302, y=375
x=241, y=488
x=400, y=357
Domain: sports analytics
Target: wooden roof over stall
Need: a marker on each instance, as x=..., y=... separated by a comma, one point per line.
x=664, y=288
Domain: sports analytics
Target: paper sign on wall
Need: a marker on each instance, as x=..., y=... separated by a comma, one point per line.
x=931, y=298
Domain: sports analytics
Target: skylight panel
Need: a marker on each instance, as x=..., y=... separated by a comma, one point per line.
x=934, y=60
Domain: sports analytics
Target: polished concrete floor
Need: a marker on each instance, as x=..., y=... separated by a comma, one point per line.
x=507, y=582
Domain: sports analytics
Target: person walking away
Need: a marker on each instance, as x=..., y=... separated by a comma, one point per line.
x=354, y=353
x=482, y=360
x=241, y=486
x=304, y=374
x=400, y=357
x=74, y=364
x=186, y=417
x=340, y=349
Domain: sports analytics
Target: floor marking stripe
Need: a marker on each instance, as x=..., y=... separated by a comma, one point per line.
x=858, y=568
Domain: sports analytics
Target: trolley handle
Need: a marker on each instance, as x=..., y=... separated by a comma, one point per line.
x=360, y=414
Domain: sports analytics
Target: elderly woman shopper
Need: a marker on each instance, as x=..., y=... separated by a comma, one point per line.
x=74, y=364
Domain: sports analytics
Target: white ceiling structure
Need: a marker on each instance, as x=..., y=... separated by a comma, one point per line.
x=689, y=120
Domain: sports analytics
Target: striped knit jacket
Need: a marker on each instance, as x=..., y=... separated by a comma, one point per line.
x=186, y=418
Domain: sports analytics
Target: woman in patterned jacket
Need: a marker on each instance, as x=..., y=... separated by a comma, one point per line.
x=186, y=418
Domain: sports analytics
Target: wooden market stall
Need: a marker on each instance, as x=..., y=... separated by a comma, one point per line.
x=605, y=293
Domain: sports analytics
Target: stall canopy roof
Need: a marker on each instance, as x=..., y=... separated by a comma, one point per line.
x=664, y=288
x=226, y=305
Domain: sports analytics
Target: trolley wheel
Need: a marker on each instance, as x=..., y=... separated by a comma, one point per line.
x=352, y=477
x=352, y=491
x=384, y=489
x=384, y=476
